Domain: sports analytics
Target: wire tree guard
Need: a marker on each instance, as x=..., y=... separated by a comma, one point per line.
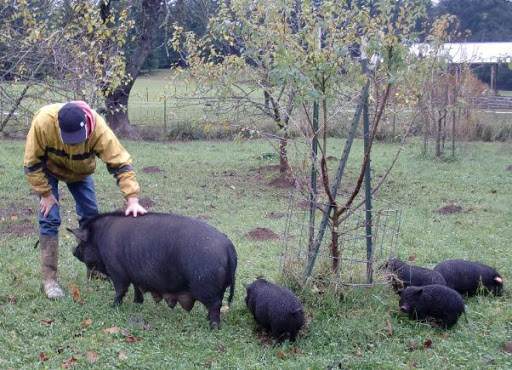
x=355, y=265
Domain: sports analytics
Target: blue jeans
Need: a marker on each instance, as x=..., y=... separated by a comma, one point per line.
x=86, y=205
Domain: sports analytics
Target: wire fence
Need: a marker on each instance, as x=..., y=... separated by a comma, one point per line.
x=356, y=265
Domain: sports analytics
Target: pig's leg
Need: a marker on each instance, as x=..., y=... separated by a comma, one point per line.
x=138, y=294
x=170, y=299
x=449, y=320
x=121, y=288
x=157, y=297
x=214, y=313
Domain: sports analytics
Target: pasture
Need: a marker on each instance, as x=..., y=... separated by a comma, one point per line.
x=451, y=209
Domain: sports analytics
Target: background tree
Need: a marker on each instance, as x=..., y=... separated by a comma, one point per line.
x=289, y=56
x=482, y=21
x=55, y=50
x=147, y=15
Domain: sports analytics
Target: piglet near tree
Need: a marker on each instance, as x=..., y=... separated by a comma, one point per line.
x=177, y=258
x=403, y=275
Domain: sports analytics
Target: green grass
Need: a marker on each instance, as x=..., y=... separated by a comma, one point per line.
x=220, y=180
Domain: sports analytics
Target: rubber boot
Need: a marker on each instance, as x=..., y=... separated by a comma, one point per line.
x=49, y=258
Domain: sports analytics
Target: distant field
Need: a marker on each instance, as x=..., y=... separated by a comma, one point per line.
x=159, y=108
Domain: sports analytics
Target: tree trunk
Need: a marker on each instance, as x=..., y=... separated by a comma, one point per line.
x=117, y=112
x=117, y=101
x=283, y=156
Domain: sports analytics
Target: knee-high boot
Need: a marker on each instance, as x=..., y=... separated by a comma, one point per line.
x=49, y=258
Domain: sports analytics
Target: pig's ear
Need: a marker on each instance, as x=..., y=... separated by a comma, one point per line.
x=81, y=234
x=418, y=292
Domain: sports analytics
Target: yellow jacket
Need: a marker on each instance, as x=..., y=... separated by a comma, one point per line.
x=46, y=152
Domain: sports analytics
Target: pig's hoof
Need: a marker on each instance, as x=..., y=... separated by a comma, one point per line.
x=214, y=326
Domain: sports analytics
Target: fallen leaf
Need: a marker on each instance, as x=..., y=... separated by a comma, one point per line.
x=390, y=327
x=75, y=291
x=86, y=323
x=43, y=357
x=12, y=299
x=411, y=346
x=221, y=348
x=125, y=333
x=131, y=339
x=412, y=257
x=281, y=354
x=295, y=351
x=266, y=341
x=68, y=363
x=47, y=322
x=92, y=357
x=427, y=344
x=14, y=217
x=112, y=330
x=146, y=326
x=508, y=347
x=209, y=363
x=121, y=356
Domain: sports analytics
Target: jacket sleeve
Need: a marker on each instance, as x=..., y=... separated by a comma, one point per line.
x=118, y=160
x=33, y=160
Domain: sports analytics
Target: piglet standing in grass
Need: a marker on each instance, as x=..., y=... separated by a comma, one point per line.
x=275, y=308
x=437, y=301
x=468, y=277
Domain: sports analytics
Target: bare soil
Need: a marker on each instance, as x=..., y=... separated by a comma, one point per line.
x=450, y=209
x=262, y=233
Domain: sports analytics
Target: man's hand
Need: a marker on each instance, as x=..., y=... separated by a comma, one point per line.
x=134, y=207
x=46, y=203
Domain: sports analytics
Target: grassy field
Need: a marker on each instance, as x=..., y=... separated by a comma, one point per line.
x=227, y=185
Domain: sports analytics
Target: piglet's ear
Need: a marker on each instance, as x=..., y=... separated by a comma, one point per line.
x=79, y=233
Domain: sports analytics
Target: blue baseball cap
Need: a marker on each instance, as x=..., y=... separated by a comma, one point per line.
x=72, y=125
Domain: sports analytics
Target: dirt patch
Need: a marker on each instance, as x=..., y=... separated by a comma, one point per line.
x=14, y=211
x=508, y=347
x=152, y=169
x=282, y=182
x=274, y=215
x=18, y=229
x=268, y=168
x=203, y=216
x=262, y=233
x=146, y=202
x=450, y=209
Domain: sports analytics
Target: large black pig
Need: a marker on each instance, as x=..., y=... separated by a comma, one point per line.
x=276, y=308
x=177, y=258
x=468, y=277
